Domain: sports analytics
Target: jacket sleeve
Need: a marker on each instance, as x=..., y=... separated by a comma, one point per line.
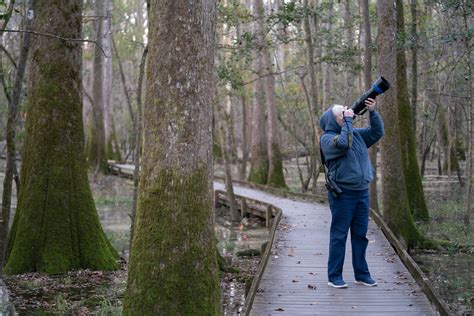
x=336, y=145
x=374, y=133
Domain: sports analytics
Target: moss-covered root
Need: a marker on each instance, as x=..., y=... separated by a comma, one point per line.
x=173, y=266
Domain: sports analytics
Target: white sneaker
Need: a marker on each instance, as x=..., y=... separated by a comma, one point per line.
x=338, y=284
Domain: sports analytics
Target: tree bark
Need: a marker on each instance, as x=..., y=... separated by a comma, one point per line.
x=395, y=200
x=470, y=116
x=312, y=100
x=56, y=227
x=244, y=124
x=173, y=265
x=414, y=63
x=259, y=161
x=416, y=196
x=276, y=177
x=98, y=145
x=349, y=43
x=225, y=143
x=11, y=170
x=374, y=201
x=327, y=67
x=138, y=141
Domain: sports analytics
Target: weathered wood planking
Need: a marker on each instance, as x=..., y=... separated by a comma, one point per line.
x=295, y=281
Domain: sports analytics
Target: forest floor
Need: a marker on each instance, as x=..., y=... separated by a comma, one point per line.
x=87, y=292
x=100, y=293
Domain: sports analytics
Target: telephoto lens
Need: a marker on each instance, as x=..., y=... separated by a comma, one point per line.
x=378, y=87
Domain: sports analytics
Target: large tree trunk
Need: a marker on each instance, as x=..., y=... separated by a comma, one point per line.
x=11, y=169
x=97, y=146
x=258, y=149
x=374, y=201
x=56, y=227
x=395, y=200
x=173, y=265
x=416, y=196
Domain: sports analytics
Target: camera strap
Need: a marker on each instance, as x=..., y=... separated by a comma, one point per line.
x=323, y=160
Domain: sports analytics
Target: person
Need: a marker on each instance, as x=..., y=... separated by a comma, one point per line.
x=346, y=153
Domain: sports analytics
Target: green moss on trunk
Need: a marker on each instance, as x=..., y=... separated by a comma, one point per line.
x=173, y=265
x=258, y=172
x=275, y=175
x=416, y=196
x=56, y=227
x=174, y=241
x=396, y=209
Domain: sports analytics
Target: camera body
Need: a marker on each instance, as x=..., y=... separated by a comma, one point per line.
x=332, y=187
x=378, y=87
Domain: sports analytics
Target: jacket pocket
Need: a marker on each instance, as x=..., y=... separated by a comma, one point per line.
x=348, y=169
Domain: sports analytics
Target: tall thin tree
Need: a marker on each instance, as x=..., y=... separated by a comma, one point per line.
x=259, y=161
x=374, y=203
x=416, y=196
x=97, y=142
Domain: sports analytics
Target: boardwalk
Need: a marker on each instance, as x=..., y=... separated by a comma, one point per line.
x=295, y=282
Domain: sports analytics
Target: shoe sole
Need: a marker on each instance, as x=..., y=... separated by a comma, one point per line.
x=337, y=286
x=366, y=284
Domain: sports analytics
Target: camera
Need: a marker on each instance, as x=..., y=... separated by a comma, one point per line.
x=332, y=187
x=378, y=87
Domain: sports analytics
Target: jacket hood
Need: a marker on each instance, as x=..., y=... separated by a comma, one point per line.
x=328, y=122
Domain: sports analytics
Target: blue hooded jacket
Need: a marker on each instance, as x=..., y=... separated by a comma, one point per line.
x=345, y=149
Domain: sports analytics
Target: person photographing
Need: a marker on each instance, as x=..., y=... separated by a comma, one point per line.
x=345, y=152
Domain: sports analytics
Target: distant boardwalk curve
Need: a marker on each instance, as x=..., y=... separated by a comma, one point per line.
x=295, y=282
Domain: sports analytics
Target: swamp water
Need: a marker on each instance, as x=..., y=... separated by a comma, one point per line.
x=90, y=292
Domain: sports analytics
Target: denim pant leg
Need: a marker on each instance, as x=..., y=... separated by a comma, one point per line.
x=342, y=209
x=359, y=239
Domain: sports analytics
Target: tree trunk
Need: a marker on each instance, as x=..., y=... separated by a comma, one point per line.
x=98, y=144
x=10, y=169
x=276, y=177
x=470, y=117
x=312, y=99
x=173, y=265
x=349, y=43
x=225, y=143
x=138, y=141
x=56, y=227
x=244, y=124
x=327, y=67
x=416, y=196
x=258, y=149
x=395, y=200
x=414, y=63
x=374, y=203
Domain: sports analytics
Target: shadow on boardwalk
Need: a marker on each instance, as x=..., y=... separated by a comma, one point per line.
x=295, y=281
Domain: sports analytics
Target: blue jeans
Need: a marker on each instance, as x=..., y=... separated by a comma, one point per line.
x=350, y=210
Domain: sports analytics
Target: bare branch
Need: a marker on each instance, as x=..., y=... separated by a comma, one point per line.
x=57, y=37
